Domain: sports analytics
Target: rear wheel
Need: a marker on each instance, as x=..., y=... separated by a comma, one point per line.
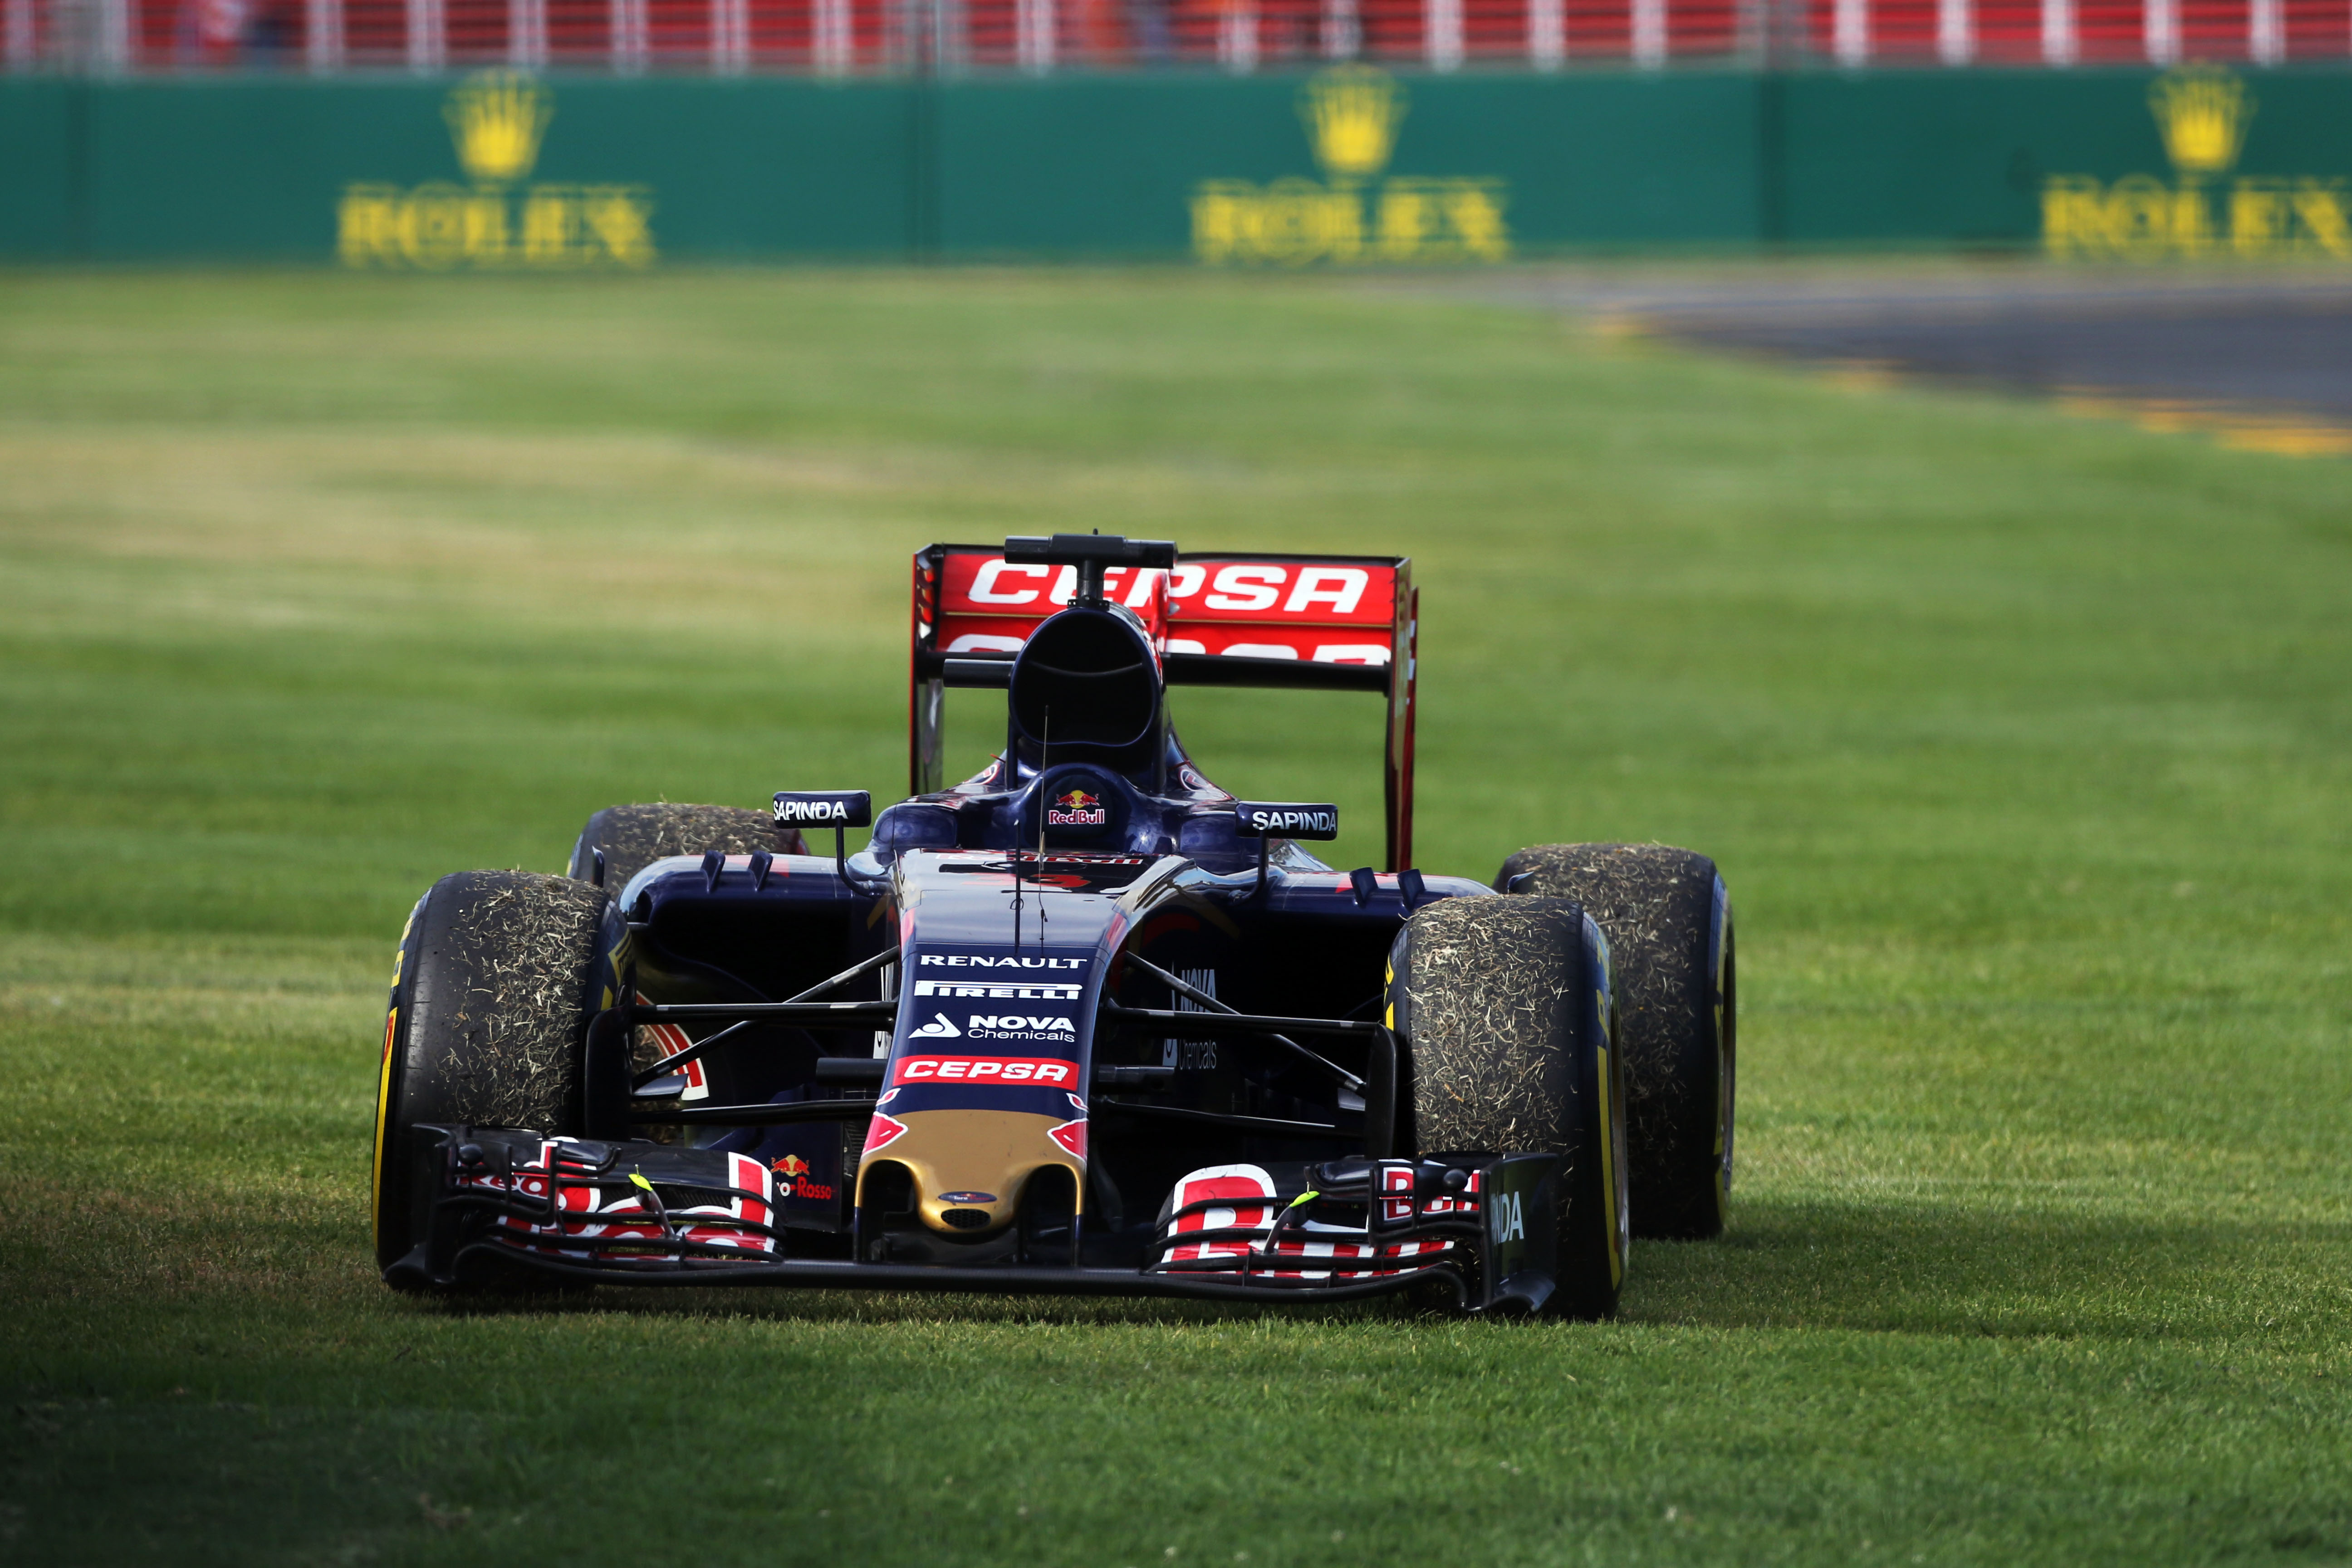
x=633, y=836
x=1504, y=1008
x=1668, y=922
x=491, y=998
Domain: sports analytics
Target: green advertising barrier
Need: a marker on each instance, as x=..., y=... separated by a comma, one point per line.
x=1347, y=165
x=2104, y=165
x=502, y=171
x=42, y=170
x=499, y=171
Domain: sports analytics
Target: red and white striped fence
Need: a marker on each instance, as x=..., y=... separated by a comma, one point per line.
x=875, y=37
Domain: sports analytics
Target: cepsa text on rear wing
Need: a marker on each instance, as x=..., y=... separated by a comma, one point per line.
x=1344, y=622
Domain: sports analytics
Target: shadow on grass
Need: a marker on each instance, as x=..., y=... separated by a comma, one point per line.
x=1910, y=1268
x=792, y=1304
x=1913, y=1266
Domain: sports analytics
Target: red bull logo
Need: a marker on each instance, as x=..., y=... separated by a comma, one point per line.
x=1077, y=809
x=793, y=1180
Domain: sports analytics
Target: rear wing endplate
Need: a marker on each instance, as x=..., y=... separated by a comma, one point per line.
x=1328, y=623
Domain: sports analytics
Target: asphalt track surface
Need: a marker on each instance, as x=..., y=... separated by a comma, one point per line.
x=2278, y=342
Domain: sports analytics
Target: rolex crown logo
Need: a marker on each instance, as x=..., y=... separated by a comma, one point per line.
x=1352, y=112
x=498, y=117
x=2203, y=114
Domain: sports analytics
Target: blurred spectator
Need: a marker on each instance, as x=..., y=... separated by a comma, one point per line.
x=239, y=32
x=1148, y=24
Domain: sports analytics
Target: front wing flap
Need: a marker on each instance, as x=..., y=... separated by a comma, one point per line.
x=1485, y=1221
x=500, y=1196
x=495, y=1202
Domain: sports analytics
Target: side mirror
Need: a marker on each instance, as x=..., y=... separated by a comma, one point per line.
x=833, y=808
x=1266, y=820
x=1285, y=819
x=824, y=808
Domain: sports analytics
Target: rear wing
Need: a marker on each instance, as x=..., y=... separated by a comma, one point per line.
x=1330, y=623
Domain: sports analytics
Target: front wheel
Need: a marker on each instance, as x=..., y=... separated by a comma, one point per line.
x=1505, y=1009
x=491, y=996
x=1668, y=922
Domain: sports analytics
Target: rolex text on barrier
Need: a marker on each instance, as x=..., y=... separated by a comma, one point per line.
x=497, y=118
x=2204, y=112
x=540, y=175
x=1352, y=114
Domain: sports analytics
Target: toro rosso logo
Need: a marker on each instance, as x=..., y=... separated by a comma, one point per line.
x=793, y=1180
x=1047, y=1070
x=1077, y=809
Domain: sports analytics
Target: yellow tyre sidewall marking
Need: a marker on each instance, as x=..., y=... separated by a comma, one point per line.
x=382, y=1109
x=383, y=1086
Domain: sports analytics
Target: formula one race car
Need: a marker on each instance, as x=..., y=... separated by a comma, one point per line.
x=1084, y=1022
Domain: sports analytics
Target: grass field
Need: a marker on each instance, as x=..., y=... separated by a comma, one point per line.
x=2022, y=743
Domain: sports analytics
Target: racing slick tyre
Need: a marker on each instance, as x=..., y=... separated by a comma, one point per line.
x=1503, y=1006
x=1668, y=922
x=634, y=837
x=491, y=994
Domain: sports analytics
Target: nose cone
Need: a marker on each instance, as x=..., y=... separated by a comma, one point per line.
x=967, y=1162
